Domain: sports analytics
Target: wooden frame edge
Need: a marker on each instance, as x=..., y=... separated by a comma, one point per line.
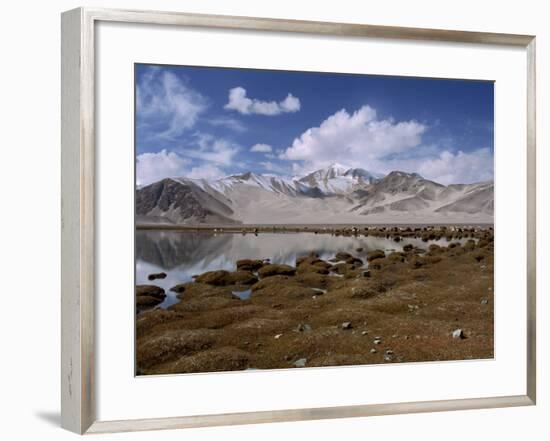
x=78, y=404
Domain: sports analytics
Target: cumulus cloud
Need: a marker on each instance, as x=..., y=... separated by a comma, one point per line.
x=166, y=105
x=152, y=167
x=261, y=148
x=446, y=167
x=241, y=103
x=354, y=138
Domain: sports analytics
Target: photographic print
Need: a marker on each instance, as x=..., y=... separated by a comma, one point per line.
x=290, y=219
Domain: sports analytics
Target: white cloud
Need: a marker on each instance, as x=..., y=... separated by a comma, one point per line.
x=274, y=168
x=211, y=149
x=152, y=167
x=206, y=171
x=446, y=167
x=261, y=148
x=228, y=123
x=354, y=139
x=165, y=102
x=361, y=139
x=241, y=103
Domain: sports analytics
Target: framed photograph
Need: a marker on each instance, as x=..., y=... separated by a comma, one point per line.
x=304, y=220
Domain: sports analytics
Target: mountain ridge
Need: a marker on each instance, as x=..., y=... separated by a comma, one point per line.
x=334, y=194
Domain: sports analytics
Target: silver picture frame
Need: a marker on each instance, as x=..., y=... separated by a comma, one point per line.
x=78, y=395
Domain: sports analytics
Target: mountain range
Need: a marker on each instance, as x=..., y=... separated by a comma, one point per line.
x=332, y=195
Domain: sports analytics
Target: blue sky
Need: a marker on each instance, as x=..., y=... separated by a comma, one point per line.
x=212, y=122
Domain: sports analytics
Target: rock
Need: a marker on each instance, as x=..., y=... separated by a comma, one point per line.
x=458, y=334
x=408, y=247
x=156, y=276
x=151, y=291
x=342, y=256
x=274, y=269
x=346, y=325
x=305, y=268
x=364, y=332
x=376, y=254
x=300, y=363
x=377, y=340
x=484, y=301
x=225, y=278
x=179, y=288
x=373, y=351
x=354, y=261
x=147, y=301
x=303, y=327
x=389, y=352
x=249, y=264
x=278, y=336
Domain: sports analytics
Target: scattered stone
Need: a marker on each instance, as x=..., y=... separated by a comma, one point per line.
x=225, y=278
x=303, y=327
x=394, y=336
x=376, y=254
x=364, y=332
x=389, y=352
x=342, y=256
x=278, y=336
x=484, y=301
x=458, y=334
x=377, y=340
x=150, y=290
x=274, y=269
x=156, y=276
x=347, y=325
x=408, y=247
x=373, y=351
x=249, y=264
x=300, y=363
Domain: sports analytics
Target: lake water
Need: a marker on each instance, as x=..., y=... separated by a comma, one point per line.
x=183, y=254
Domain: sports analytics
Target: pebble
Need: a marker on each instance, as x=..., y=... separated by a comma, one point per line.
x=303, y=327
x=346, y=325
x=377, y=341
x=373, y=351
x=364, y=332
x=300, y=363
x=278, y=336
x=484, y=301
x=458, y=334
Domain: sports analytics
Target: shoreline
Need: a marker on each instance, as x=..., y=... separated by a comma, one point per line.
x=312, y=228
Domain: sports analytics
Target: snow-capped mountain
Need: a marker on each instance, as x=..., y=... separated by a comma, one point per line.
x=335, y=194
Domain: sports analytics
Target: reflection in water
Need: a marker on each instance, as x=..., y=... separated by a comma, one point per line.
x=182, y=254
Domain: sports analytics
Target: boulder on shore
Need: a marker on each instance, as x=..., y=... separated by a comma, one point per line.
x=275, y=269
x=225, y=278
x=376, y=254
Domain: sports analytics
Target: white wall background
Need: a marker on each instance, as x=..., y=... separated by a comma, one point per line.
x=29, y=197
